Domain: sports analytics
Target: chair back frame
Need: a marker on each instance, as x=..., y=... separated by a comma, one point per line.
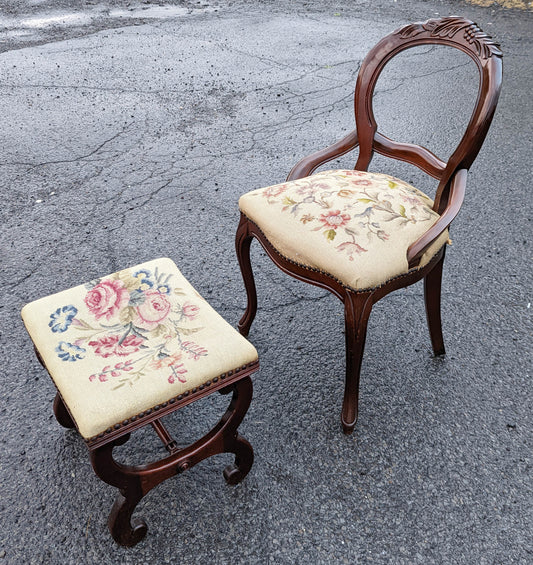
x=451, y=31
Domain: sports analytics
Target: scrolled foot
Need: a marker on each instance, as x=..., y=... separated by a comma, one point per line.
x=232, y=474
x=125, y=531
x=244, y=458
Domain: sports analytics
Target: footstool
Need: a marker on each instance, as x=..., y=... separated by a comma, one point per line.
x=124, y=351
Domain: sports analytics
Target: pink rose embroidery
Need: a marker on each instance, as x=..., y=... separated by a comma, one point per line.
x=107, y=298
x=334, y=219
x=109, y=345
x=273, y=191
x=190, y=311
x=153, y=310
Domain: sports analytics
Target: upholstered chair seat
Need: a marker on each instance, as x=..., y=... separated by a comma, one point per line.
x=352, y=225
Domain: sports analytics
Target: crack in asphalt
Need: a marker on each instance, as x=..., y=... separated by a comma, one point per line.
x=74, y=159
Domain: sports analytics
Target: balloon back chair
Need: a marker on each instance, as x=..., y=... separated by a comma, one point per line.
x=362, y=235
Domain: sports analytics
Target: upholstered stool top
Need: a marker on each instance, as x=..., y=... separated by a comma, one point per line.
x=353, y=225
x=122, y=344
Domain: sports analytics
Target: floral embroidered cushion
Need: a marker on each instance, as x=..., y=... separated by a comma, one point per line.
x=124, y=343
x=353, y=225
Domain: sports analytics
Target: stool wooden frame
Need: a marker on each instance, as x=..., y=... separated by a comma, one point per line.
x=135, y=481
x=453, y=32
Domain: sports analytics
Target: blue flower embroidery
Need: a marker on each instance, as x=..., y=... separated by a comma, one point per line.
x=69, y=351
x=163, y=289
x=144, y=276
x=61, y=319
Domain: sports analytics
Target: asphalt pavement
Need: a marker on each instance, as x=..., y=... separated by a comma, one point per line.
x=128, y=132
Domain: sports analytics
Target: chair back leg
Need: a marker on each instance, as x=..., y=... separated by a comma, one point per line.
x=432, y=291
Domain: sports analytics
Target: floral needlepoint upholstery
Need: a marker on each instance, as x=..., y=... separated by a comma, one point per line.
x=354, y=225
x=124, y=343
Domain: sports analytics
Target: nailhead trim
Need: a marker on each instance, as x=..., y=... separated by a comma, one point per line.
x=316, y=270
x=173, y=400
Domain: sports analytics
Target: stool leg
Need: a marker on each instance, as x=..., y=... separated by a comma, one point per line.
x=129, y=481
x=61, y=413
x=135, y=481
x=233, y=441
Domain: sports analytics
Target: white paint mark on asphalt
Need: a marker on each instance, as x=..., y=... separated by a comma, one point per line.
x=158, y=12
x=31, y=27
x=60, y=19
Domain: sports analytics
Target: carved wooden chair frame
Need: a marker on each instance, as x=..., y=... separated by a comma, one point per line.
x=451, y=31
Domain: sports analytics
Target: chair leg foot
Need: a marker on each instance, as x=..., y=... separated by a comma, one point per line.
x=348, y=428
x=432, y=294
x=243, y=240
x=357, y=308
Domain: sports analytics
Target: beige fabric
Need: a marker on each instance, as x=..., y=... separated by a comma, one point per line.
x=129, y=341
x=354, y=225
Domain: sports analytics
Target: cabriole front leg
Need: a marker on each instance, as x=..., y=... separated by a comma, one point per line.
x=357, y=308
x=243, y=240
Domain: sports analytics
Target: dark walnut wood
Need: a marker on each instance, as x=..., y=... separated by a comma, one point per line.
x=135, y=481
x=451, y=176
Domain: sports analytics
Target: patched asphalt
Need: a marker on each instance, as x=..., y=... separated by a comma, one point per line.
x=126, y=140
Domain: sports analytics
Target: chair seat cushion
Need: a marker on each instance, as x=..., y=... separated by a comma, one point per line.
x=127, y=342
x=353, y=225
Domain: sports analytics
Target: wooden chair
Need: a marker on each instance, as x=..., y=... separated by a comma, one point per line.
x=362, y=235
x=126, y=350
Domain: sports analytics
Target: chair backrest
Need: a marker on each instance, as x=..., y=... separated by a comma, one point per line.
x=451, y=31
